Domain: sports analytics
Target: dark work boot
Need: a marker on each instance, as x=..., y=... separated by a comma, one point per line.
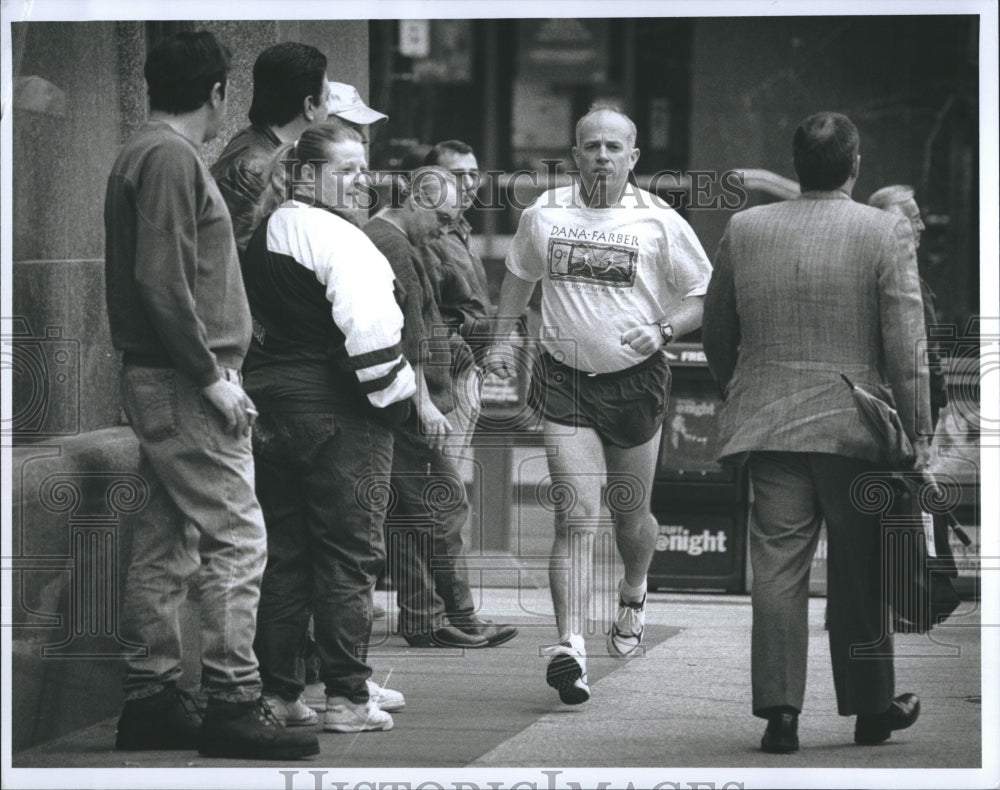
x=249, y=730
x=167, y=720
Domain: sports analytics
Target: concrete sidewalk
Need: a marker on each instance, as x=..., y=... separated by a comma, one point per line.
x=680, y=710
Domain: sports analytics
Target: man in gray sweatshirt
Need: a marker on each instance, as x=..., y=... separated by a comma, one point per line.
x=179, y=314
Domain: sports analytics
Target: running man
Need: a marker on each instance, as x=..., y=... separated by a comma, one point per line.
x=622, y=274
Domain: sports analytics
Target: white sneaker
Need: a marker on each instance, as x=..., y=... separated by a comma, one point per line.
x=342, y=715
x=626, y=631
x=567, y=672
x=291, y=714
x=316, y=700
x=387, y=699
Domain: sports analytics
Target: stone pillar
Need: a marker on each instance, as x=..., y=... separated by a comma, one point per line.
x=68, y=113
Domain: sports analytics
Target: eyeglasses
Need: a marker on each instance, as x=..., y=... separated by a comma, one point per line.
x=474, y=176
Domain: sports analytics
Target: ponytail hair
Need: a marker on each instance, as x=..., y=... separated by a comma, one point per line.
x=294, y=172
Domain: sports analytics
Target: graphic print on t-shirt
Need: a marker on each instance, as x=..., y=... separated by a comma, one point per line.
x=600, y=264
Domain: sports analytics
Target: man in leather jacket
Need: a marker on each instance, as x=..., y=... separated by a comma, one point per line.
x=290, y=92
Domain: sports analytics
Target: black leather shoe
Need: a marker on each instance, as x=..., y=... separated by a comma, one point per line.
x=874, y=728
x=250, y=731
x=493, y=633
x=169, y=719
x=446, y=636
x=782, y=733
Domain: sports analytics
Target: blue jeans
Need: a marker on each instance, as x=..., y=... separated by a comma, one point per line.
x=197, y=473
x=321, y=479
x=427, y=561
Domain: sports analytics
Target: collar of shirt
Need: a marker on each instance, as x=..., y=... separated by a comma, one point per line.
x=826, y=194
x=268, y=133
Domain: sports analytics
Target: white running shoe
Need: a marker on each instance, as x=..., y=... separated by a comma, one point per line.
x=626, y=631
x=567, y=672
x=387, y=699
x=291, y=714
x=342, y=715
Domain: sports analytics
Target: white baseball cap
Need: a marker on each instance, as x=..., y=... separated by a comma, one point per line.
x=345, y=102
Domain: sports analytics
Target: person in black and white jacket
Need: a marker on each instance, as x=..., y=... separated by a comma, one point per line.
x=327, y=371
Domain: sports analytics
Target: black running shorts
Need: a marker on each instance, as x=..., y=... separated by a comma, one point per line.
x=625, y=407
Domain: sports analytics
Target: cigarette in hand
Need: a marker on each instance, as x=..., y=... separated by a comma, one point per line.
x=253, y=411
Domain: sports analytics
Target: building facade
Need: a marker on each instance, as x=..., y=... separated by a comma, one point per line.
x=708, y=95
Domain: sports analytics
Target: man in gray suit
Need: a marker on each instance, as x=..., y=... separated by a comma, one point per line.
x=803, y=291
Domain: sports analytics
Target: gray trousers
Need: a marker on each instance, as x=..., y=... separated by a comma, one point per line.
x=793, y=493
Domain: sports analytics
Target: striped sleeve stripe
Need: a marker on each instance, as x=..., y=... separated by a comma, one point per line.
x=394, y=387
x=373, y=372
x=370, y=359
x=374, y=385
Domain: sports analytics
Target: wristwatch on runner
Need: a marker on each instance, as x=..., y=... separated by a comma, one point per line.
x=666, y=332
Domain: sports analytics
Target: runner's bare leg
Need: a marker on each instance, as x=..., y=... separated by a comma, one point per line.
x=629, y=488
x=576, y=466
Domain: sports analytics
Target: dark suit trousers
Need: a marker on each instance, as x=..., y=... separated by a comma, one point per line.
x=793, y=494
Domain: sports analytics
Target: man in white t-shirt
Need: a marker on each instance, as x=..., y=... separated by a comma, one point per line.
x=622, y=274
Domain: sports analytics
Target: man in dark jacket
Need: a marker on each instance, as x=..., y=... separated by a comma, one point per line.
x=290, y=92
x=898, y=199
x=426, y=554
x=460, y=286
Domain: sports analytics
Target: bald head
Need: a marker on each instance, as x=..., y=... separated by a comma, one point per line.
x=608, y=114
x=432, y=203
x=889, y=196
x=605, y=154
x=433, y=187
x=898, y=199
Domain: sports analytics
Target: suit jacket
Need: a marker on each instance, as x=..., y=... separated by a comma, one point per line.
x=803, y=290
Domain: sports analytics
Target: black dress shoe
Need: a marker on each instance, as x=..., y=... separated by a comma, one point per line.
x=446, y=636
x=493, y=633
x=782, y=733
x=874, y=728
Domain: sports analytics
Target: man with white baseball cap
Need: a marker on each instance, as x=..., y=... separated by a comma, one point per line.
x=345, y=102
